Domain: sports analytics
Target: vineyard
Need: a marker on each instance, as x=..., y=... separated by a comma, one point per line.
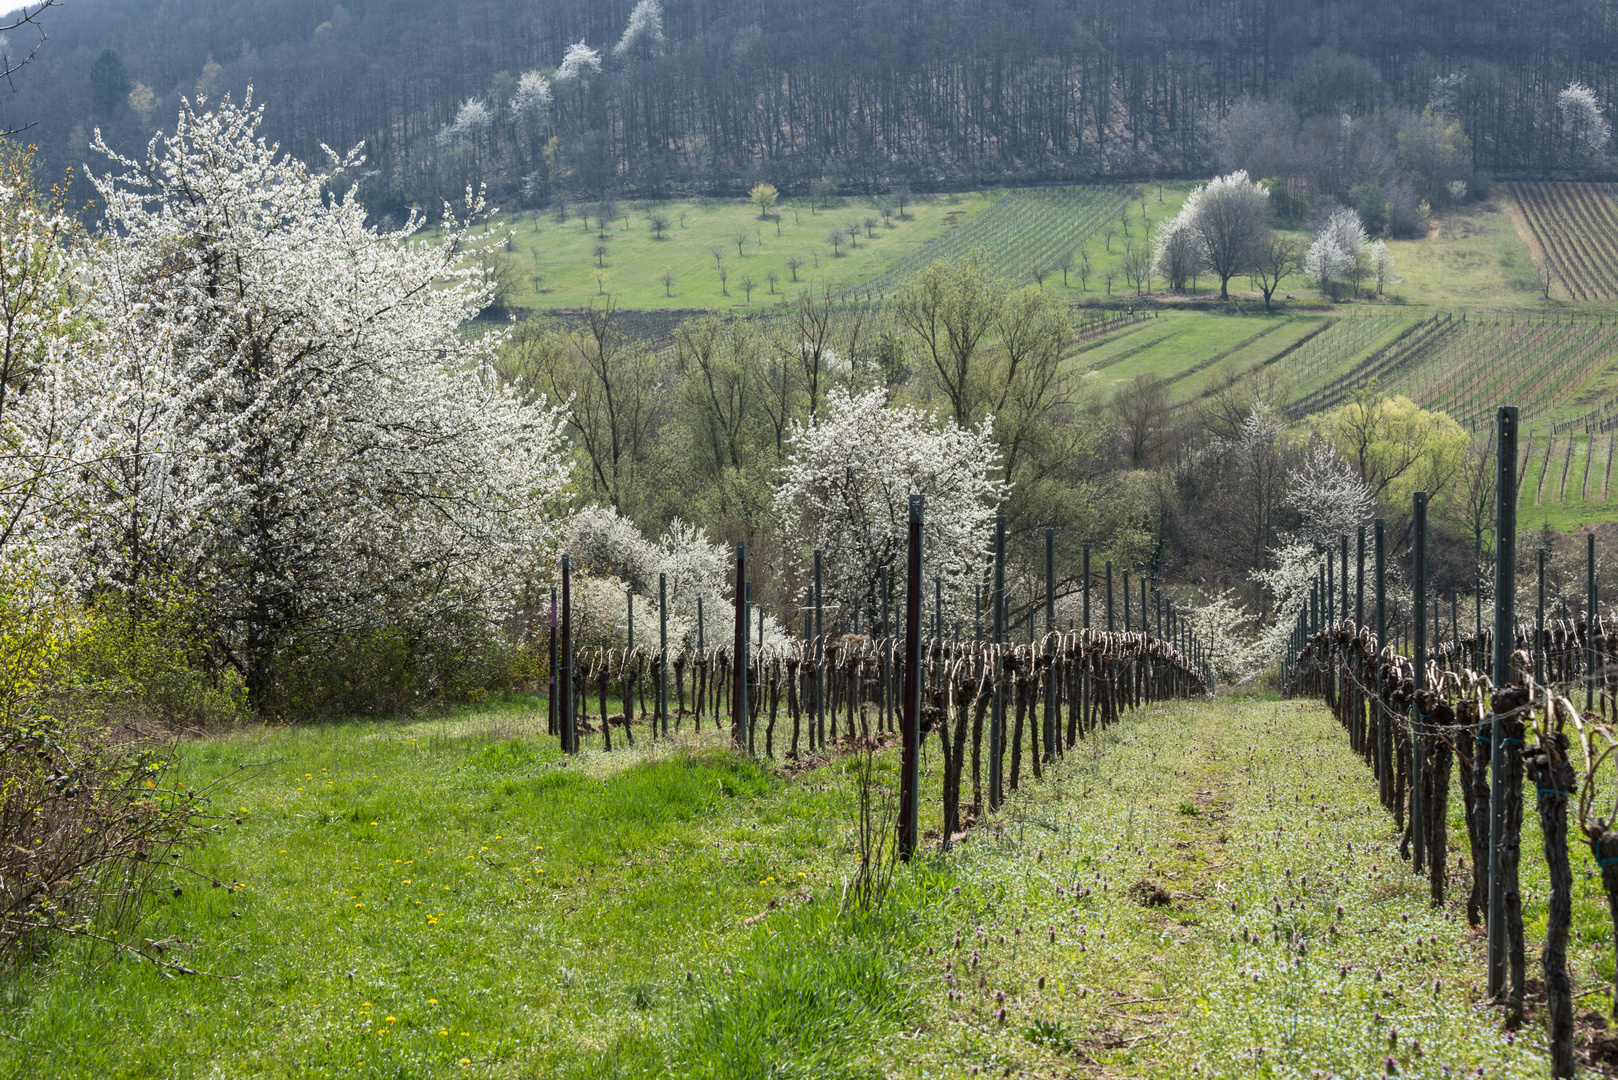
x=1490, y=714
x=1026, y=230
x=1463, y=364
x=1575, y=228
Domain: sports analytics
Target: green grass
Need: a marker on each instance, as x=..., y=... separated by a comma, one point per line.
x=1474, y=259
x=1187, y=349
x=512, y=914
x=562, y=254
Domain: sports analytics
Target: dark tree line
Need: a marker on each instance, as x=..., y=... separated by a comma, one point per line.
x=878, y=92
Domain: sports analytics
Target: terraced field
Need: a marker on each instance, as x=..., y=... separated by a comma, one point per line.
x=1575, y=226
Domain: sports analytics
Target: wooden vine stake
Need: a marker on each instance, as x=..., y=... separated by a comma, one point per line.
x=909, y=768
x=1548, y=767
x=564, y=685
x=738, y=697
x=1505, y=547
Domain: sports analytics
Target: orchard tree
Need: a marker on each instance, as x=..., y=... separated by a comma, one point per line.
x=283, y=411
x=1279, y=257
x=764, y=196
x=846, y=489
x=1330, y=497
x=1382, y=268
x=1337, y=252
x=1177, y=254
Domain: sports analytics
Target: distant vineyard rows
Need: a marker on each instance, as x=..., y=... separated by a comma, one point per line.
x=1464, y=365
x=1576, y=227
x=1025, y=230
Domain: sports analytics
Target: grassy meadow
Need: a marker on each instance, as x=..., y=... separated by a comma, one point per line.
x=451, y=897
x=554, y=263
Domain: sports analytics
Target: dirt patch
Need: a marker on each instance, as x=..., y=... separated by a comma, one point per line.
x=1150, y=894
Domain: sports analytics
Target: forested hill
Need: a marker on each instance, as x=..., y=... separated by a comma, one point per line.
x=723, y=92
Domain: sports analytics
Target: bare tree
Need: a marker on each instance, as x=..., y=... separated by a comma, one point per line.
x=1231, y=219
x=668, y=283
x=741, y=237
x=1143, y=411
x=724, y=277
x=1547, y=274
x=600, y=252
x=659, y=224
x=793, y=262
x=807, y=335
x=718, y=257
x=1476, y=486
x=835, y=239
x=748, y=285
x=1040, y=272
x=1279, y=257
x=870, y=227
x=1137, y=267
x=1064, y=264
x=901, y=196
x=773, y=278
x=27, y=15
x=1084, y=270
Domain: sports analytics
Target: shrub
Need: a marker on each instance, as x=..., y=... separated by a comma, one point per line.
x=91, y=820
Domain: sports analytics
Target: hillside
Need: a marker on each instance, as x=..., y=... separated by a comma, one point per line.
x=867, y=96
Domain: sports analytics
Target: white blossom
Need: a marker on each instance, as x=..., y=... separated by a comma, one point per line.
x=281, y=408
x=472, y=122
x=1288, y=581
x=1329, y=496
x=1225, y=630
x=1382, y=268
x=578, y=62
x=1587, y=129
x=533, y=96
x=1334, y=254
x=645, y=29
x=1229, y=217
x=40, y=450
x=846, y=488
x=606, y=544
x=1177, y=253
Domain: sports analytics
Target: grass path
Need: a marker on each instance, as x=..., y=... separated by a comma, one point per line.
x=1206, y=890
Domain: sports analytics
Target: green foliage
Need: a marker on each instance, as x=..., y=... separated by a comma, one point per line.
x=400, y=669
x=89, y=816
